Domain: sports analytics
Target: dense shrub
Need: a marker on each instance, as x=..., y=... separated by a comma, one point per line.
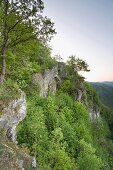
x=9, y=90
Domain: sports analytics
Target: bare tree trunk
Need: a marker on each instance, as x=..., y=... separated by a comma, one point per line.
x=3, y=70
x=4, y=47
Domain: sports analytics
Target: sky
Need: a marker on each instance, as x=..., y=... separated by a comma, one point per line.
x=85, y=29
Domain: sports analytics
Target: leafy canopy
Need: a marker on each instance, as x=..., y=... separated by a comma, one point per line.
x=21, y=21
x=20, y=18
x=77, y=64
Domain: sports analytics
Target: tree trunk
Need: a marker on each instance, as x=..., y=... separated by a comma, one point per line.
x=3, y=69
x=5, y=39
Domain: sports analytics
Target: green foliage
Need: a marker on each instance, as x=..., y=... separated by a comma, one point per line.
x=64, y=100
x=77, y=64
x=24, y=61
x=60, y=160
x=87, y=159
x=34, y=134
x=105, y=92
x=82, y=122
x=57, y=130
x=53, y=130
x=48, y=138
x=22, y=18
x=92, y=96
x=100, y=129
x=67, y=87
x=42, y=56
x=73, y=81
x=21, y=22
x=8, y=91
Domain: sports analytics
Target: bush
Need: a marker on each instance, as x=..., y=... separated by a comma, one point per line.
x=87, y=159
x=9, y=90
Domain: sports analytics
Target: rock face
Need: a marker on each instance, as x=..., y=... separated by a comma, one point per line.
x=12, y=157
x=12, y=114
x=94, y=112
x=47, y=81
x=79, y=95
x=62, y=69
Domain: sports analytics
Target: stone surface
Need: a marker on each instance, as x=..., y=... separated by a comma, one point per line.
x=20, y=163
x=47, y=81
x=12, y=114
x=62, y=69
x=79, y=94
x=94, y=112
x=11, y=156
x=34, y=164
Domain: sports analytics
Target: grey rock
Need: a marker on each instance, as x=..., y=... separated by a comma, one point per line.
x=47, y=81
x=62, y=69
x=13, y=113
x=20, y=163
x=79, y=94
x=94, y=112
x=34, y=164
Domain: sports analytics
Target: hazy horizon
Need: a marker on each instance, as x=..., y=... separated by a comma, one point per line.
x=84, y=29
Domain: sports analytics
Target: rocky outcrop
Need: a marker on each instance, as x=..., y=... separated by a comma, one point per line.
x=62, y=70
x=12, y=157
x=79, y=95
x=12, y=114
x=94, y=112
x=47, y=81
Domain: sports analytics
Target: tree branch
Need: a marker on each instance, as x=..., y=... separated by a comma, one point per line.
x=18, y=41
x=20, y=20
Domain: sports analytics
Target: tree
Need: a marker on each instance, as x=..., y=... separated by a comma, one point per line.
x=77, y=64
x=21, y=21
x=74, y=65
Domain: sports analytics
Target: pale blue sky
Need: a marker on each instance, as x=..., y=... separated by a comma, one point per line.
x=85, y=29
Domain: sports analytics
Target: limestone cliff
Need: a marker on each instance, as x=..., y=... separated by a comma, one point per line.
x=47, y=81
x=12, y=157
x=12, y=114
x=94, y=112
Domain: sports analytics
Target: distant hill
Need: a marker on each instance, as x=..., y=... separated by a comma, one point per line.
x=110, y=83
x=105, y=91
